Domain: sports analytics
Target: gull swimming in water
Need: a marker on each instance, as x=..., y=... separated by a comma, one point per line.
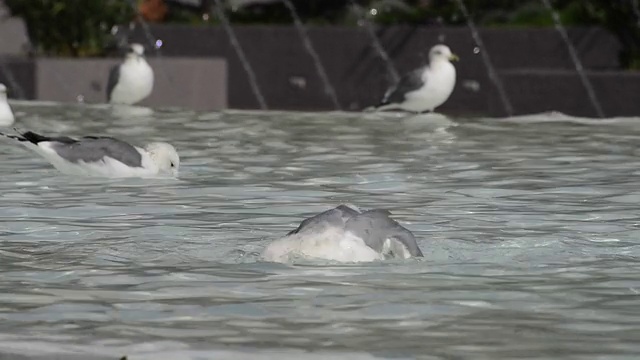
x=6, y=115
x=102, y=156
x=132, y=80
x=425, y=88
x=345, y=234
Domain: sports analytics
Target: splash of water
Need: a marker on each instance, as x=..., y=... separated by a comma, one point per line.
x=574, y=57
x=328, y=88
x=241, y=55
x=391, y=69
x=486, y=59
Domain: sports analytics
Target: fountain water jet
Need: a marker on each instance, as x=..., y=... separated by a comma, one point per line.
x=243, y=59
x=391, y=69
x=13, y=83
x=574, y=57
x=328, y=88
x=151, y=39
x=636, y=11
x=486, y=59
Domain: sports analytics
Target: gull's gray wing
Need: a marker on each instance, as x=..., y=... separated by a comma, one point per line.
x=337, y=216
x=375, y=227
x=89, y=148
x=93, y=149
x=409, y=82
x=114, y=76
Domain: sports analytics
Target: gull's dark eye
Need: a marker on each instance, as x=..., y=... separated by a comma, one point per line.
x=172, y=164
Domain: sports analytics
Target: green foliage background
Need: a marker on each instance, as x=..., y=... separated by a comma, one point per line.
x=82, y=27
x=71, y=27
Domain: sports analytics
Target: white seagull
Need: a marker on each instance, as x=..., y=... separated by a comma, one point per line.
x=345, y=234
x=132, y=80
x=425, y=88
x=102, y=156
x=6, y=115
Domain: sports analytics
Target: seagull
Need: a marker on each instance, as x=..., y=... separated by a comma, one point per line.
x=132, y=80
x=6, y=115
x=102, y=156
x=425, y=88
x=345, y=234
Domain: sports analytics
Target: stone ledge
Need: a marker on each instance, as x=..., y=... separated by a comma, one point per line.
x=199, y=84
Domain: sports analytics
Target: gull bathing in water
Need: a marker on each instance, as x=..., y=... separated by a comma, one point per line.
x=345, y=234
x=6, y=115
x=132, y=80
x=102, y=156
x=425, y=88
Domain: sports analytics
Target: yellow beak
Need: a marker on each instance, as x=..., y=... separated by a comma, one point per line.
x=454, y=57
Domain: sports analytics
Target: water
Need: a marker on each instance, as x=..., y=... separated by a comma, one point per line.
x=233, y=39
x=574, y=57
x=375, y=41
x=491, y=71
x=152, y=42
x=12, y=83
x=529, y=226
x=636, y=10
x=308, y=46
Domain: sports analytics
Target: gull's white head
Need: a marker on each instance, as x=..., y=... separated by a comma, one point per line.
x=441, y=53
x=135, y=50
x=165, y=156
x=6, y=115
x=3, y=92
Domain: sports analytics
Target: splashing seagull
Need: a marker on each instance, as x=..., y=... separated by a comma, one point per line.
x=102, y=156
x=347, y=235
x=6, y=115
x=132, y=80
x=425, y=88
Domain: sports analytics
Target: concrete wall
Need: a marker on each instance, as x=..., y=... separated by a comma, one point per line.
x=195, y=83
x=522, y=57
x=533, y=64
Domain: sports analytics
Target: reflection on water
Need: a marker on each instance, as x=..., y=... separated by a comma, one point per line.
x=529, y=229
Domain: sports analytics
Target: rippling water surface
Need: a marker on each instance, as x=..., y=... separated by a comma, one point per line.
x=530, y=229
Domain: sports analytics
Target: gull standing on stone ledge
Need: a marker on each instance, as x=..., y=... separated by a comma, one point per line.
x=6, y=115
x=102, y=156
x=425, y=88
x=132, y=80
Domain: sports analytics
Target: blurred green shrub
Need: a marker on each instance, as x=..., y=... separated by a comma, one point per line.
x=82, y=27
x=73, y=28
x=621, y=17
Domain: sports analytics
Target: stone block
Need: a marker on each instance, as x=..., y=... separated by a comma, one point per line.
x=194, y=83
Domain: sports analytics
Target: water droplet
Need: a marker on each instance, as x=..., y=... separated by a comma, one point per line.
x=373, y=12
x=114, y=29
x=476, y=50
x=80, y=98
x=205, y=17
x=159, y=44
x=471, y=85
